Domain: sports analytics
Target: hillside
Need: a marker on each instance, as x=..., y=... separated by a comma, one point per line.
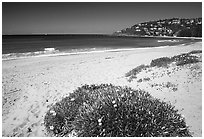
x=168, y=27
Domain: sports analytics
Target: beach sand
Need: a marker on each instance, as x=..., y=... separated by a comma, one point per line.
x=31, y=86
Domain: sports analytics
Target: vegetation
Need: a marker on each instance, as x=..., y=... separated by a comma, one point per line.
x=164, y=62
x=167, y=27
x=195, y=52
x=161, y=62
x=137, y=70
x=168, y=85
x=184, y=59
x=113, y=111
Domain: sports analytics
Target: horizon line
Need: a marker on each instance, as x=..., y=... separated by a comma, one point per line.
x=59, y=34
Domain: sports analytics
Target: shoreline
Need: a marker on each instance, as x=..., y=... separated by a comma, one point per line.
x=75, y=53
x=58, y=53
x=162, y=37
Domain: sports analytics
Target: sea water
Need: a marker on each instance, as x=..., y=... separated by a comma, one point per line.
x=17, y=46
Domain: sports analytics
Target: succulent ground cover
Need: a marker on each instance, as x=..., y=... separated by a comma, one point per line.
x=106, y=110
x=168, y=85
x=166, y=62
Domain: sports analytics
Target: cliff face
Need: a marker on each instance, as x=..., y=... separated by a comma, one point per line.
x=167, y=27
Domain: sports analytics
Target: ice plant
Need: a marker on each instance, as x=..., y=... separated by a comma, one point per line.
x=91, y=111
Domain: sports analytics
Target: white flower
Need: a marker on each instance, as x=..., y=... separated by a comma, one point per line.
x=99, y=120
x=53, y=112
x=100, y=124
x=114, y=105
x=51, y=127
x=72, y=99
x=113, y=101
x=122, y=95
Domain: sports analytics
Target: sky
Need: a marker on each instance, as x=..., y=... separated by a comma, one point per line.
x=103, y=18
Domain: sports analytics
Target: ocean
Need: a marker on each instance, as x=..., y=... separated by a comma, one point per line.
x=18, y=46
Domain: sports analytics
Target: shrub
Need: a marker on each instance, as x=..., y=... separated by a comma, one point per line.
x=187, y=61
x=136, y=70
x=107, y=110
x=184, y=59
x=146, y=79
x=195, y=52
x=58, y=120
x=160, y=62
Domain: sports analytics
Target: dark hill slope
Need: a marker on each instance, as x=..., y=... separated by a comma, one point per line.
x=167, y=27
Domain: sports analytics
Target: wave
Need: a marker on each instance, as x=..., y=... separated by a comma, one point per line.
x=50, y=52
x=167, y=40
x=29, y=54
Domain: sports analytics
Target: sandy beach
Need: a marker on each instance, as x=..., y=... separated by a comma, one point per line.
x=30, y=86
